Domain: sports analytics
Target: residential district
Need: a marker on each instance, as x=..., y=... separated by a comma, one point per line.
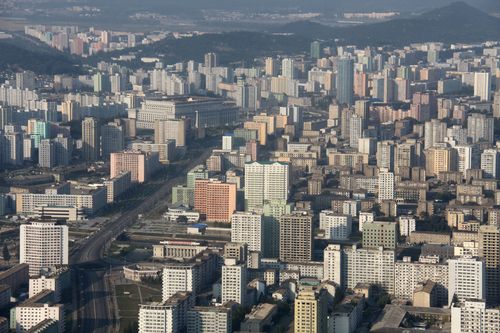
x=341, y=190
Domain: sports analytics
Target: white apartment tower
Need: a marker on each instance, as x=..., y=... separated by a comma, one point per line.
x=435, y=132
x=158, y=318
x=490, y=163
x=335, y=226
x=472, y=316
x=385, y=185
x=352, y=265
x=288, y=68
x=234, y=282
x=332, y=263
x=179, y=277
x=480, y=127
x=355, y=130
x=265, y=181
x=46, y=154
x=43, y=244
x=247, y=228
x=482, y=86
x=466, y=279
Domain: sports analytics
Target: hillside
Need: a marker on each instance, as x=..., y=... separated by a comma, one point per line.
x=230, y=47
x=16, y=55
x=457, y=22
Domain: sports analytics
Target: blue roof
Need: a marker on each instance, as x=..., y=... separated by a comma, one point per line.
x=198, y=225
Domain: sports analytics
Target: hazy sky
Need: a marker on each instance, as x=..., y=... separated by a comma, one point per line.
x=340, y=5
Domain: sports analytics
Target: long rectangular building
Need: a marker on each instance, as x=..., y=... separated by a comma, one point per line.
x=90, y=203
x=201, y=112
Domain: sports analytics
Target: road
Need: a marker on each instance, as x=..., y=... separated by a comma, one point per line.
x=93, y=295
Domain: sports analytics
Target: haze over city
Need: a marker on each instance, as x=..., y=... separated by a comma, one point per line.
x=320, y=166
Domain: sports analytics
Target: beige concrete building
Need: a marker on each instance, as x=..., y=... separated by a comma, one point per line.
x=91, y=139
x=140, y=165
x=440, y=159
x=261, y=128
x=296, y=237
x=310, y=315
x=172, y=129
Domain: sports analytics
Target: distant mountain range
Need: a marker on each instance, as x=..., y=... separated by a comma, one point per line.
x=457, y=22
x=193, y=8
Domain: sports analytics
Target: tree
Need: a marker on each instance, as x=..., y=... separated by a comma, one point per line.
x=182, y=219
x=6, y=253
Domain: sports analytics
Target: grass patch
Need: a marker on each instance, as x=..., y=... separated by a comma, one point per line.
x=128, y=298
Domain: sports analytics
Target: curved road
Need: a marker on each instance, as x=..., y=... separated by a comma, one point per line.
x=92, y=293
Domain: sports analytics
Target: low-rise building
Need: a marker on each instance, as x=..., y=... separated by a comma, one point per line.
x=37, y=309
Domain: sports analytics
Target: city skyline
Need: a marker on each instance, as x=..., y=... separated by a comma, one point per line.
x=319, y=167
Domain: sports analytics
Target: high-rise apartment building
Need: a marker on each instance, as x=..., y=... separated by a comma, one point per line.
x=345, y=81
x=248, y=228
x=141, y=165
x=265, y=181
x=489, y=251
x=315, y=50
x=234, y=282
x=112, y=138
x=435, y=132
x=271, y=67
x=310, y=311
x=203, y=319
x=468, y=157
x=490, y=163
x=408, y=274
x=38, y=130
x=352, y=265
x=296, y=237
x=385, y=185
x=473, y=316
x=63, y=149
x=159, y=318
x=91, y=143
x=211, y=60
x=46, y=154
x=12, y=148
x=480, y=127
x=180, y=277
x=25, y=80
x=496, y=103
x=355, y=130
x=466, y=279
x=43, y=244
x=172, y=129
x=380, y=234
x=440, y=159
x=482, y=86
x=215, y=199
x=335, y=226
x=386, y=155
x=405, y=157
x=70, y=110
x=288, y=68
